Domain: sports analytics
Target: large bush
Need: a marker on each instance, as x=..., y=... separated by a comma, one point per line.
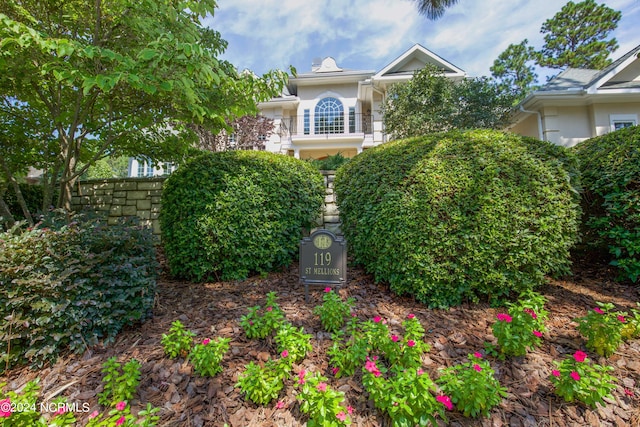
x=71, y=286
x=610, y=167
x=460, y=215
x=229, y=214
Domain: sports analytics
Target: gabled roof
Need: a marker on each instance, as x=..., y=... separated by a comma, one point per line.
x=622, y=73
x=413, y=59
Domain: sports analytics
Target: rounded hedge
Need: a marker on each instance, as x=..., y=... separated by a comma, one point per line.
x=229, y=214
x=610, y=170
x=460, y=215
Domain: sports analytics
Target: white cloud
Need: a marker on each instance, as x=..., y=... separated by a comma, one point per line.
x=368, y=34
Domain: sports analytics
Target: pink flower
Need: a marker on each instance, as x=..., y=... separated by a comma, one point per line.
x=504, y=317
x=575, y=375
x=120, y=421
x=121, y=405
x=93, y=414
x=394, y=338
x=269, y=308
x=622, y=319
x=5, y=408
x=335, y=370
x=301, y=375
x=531, y=312
x=411, y=316
x=370, y=365
x=628, y=392
x=419, y=372
x=341, y=416
x=411, y=343
x=477, y=354
x=60, y=410
x=377, y=319
x=538, y=334
x=598, y=310
x=322, y=387
x=206, y=341
x=555, y=373
x=285, y=353
x=350, y=410
x=280, y=404
x=477, y=367
x=579, y=356
x=446, y=401
x=327, y=289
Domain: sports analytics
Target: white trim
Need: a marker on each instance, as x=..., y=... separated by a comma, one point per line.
x=622, y=118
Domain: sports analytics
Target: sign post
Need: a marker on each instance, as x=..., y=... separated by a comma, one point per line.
x=323, y=260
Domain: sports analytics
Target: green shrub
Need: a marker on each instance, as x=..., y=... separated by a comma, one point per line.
x=72, y=286
x=229, y=214
x=610, y=168
x=460, y=215
x=330, y=163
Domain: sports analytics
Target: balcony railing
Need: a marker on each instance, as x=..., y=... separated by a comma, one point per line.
x=351, y=123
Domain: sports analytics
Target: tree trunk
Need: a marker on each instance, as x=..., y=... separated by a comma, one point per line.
x=5, y=213
x=16, y=189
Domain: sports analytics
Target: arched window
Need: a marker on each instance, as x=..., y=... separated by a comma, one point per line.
x=329, y=116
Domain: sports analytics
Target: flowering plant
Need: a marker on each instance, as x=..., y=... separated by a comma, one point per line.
x=522, y=327
x=321, y=402
x=294, y=341
x=472, y=386
x=121, y=416
x=348, y=354
x=260, y=323
x=407, y=395
x=178, y=341
x=408, y=351
x=206, y=357
x=333, y=310
x=120, y=382
x=603, y=328
x=26, y=411
x=262, y=384
x=576, y=378
x=631, y=329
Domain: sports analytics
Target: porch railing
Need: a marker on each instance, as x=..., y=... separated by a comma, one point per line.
x=350, y=123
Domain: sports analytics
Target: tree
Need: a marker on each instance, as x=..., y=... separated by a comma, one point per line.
x=577, y=36
x=123, y=77
x=431, y=102
x=434, y=9
x=249, y=132
x=514, y=70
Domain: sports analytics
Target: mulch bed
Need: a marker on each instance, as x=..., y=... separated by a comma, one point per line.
x=214, y=309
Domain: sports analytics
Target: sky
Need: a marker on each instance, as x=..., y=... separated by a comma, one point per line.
x=369, y=34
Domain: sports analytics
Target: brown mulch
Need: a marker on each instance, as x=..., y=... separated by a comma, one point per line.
x=214, y=309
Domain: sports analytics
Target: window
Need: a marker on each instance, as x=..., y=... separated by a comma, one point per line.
x=169, y=167
x=621, y=121
x=140, y=168
x=306, y=122
x=352, y=120
x=149, y=169
x=329, y=116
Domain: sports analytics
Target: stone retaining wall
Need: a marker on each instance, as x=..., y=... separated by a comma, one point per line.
x=119, y=197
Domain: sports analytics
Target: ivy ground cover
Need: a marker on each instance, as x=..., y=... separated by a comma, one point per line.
x=215, y=309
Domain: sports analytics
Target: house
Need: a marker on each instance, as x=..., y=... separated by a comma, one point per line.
x=579, y=104
x=331, y=110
